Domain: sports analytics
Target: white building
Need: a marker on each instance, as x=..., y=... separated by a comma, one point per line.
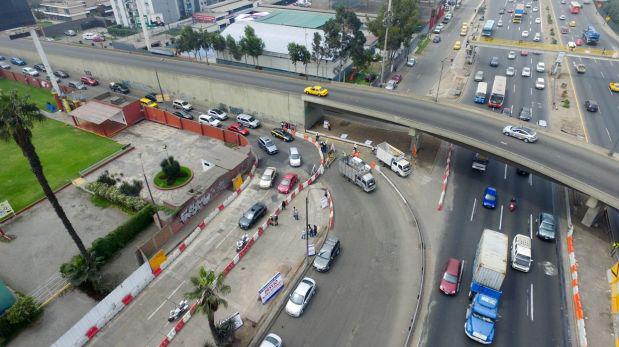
x=156, y=11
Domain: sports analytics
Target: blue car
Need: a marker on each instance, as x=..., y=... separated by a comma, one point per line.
x=489, y=200
x=17, y=61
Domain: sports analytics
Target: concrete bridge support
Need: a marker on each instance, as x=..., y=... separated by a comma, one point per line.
x=594, y=209
x=415, y=141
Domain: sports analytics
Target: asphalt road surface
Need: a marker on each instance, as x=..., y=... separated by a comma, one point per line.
x=368, y=296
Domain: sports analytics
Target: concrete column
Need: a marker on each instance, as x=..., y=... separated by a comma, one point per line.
x=415, y=141
x=123, y=14
x=594, y=208
x=312, y=115
x=115, y=11
x=142, y=13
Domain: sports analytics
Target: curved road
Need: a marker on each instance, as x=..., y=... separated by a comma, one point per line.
x=369, y=295
x=577, y=165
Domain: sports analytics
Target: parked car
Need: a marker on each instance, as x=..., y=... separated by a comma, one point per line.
x=287, y=183
x=294, y=157
x=525, y=114
x=70, y=33
x=271, y=340
x=565, y=30
x=267, y=144
x=30, y=71
x=88, y=36
x=48, y=78
x=39, y=67
x=562, y=17
x=268, y=177
x=327, y=254
x=522, y=133
x=98, y=38
x=18, y=61
x=479, y=76
x=282, y=134
x=61, y=74
x=238, y=128
x=316, y=91
x=489, y=198
x=182, y=104
x=217, y=113
x=391, y=85
x=507, y=111
x=183, y=114
x=119, y=87
x=494, y=61
x=572, y=23
x=148, y=102
x=436, y=39
x=591, y=106
x=411, y=62
x=300, y=297
x=77, y=85
x=397, y=78
x=248, y=121
x=452, y=277
x=2, y=58
x=547, y=226
x=579, y=42
x=5, y=66
x=251, y=216
x=210, y=120
x=89, y=80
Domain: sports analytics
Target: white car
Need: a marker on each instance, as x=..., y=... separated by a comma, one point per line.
x=538, y=20
x=537, y=37
x=525, y=34
x=540, y=83
x=511, y=55
x=210, y=120
x=247, y=121
x=528, y=5
x=411, y=62
x=271, y=340
x=300, y=297
x=542, y=123
x=295, y=157
x=571, y=44
x=535, y=9
x=391, y=85
x=511, y=71
x=179, y=103
x=499, y=23
x=88, y=36
x=526, y=72
x=30, y=71
x=541, y=67
x=562, y=17
x=4, y=66
x=217, y=113
x=268, y=177
x=522, y=133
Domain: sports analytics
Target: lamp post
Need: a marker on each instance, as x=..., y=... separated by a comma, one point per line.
x=307, y=224
x=440, y=76
x=150, y=193
x=614, y=148
x=159, y=82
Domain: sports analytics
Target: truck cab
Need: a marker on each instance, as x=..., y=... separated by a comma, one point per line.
x=480, y=162
x=521, y=253
x=481, y=316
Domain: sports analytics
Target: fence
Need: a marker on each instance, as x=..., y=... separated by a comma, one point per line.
x=31, y=81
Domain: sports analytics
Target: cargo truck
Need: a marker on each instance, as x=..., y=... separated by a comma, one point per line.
x=357, y=172
x=480, y=162
x=518, y=13
x=591, y=35
x=394, y=158
x=489, y=269
x=521, y=253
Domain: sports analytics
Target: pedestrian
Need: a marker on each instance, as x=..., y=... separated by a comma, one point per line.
x=283, y=205
x=315, y=230
x=317, y=137
x=328, y=125
x=604, y=51
x=295, y=213
x=355, y=148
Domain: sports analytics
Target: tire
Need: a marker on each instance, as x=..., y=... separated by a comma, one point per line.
x=526, y=140
x=506, y=133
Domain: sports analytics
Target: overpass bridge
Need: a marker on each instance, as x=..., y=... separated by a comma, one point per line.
x=582, y=166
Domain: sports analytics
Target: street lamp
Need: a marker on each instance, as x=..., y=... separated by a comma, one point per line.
x=150, y=193
x=158, y=82
x=440, y=76
x=307, y=224
x=387, y=23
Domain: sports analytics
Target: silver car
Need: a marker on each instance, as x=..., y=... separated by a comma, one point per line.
x=300, y=297
x=327, y=254
x=479, y=76
x=546, y=229
x=521, y=133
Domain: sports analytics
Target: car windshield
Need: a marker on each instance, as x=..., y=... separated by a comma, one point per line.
x=325, y=254
x=268, y=142
x=272, y=340
x=250, y=119
x=285, y=182
x=485, y=319
x=547, y=225
x=296, y=298
x=266, y=176
x=295, y=156
x=450, y=278
x=523, y=260
x=249, y=215
x=490, y=197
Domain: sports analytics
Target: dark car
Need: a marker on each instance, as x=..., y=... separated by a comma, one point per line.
x=327, y=254
x=525, y=114
x=39, y=67
x=284, y=135
x=547, y=226
x=61, y=74
x=494, y=62
x=151, y=96
x=522, y=172
x=2, y=57
x=18, y=61
x=119, y=87
x=267, y=144
x=591, y=106
x=252, y=215
x=452, y=276
x=436, y=39
x=182, y=114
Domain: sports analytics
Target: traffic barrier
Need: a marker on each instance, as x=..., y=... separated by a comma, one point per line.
x=584, y=50
x=445, y=179
x=578, y=310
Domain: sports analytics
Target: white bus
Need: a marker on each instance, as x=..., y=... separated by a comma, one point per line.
x=497, y=96
x=481, y=93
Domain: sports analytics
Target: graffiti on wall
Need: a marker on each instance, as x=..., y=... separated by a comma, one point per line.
x=194, y=207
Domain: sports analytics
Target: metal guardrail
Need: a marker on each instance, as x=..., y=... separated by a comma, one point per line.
x=540, y=46
x=49, y=289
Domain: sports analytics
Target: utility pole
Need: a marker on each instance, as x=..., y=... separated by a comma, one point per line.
x=387, y=23
x=43, y=56
x=150, y=193
x=440, y=76
x=143, y=19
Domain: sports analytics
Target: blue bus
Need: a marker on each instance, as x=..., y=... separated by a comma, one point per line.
x=487, y=30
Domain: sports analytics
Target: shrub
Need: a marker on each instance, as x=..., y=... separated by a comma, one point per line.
x=106, y=178
x=18, y=317
x=171, y=168
x=566, y=103
x=131, y=189
x=113, y=194
x=119, y=30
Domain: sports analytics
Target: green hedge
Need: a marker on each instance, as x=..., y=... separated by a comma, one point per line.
x=119, y=30
x=113, y=194
x=30, y=313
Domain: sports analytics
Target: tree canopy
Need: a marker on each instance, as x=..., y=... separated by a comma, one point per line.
x=405, y=18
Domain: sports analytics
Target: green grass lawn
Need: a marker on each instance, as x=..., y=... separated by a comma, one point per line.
x=39, y=96
x=64, y=151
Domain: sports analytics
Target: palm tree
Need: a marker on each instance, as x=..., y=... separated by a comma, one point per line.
x=209, y=288
x=17, y=117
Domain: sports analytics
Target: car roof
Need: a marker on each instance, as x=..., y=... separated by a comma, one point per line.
x=257, y=206
x=490, y=189
x=546, y=215
x=290, y=175
x=453, y=266
x=304, y=285
x=269, y=169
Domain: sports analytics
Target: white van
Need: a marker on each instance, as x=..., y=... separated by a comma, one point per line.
x=521, y=253
x=248, y=121
x=295, y=157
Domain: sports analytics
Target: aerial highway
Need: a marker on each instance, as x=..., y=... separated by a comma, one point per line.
x=583, y=167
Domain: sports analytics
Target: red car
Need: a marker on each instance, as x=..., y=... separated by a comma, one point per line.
x=287, y=183
x=397, y=78
x=89, y=81
x=452, y=276
x=238, y=128
x=579, y=42
x=524, y=53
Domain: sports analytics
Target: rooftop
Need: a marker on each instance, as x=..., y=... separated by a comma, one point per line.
x=310, y=20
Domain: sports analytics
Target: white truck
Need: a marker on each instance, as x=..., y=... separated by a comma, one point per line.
x=480, y=162
x=394, y=158
x=356, y=171
x=521, y=253
x=490, y=264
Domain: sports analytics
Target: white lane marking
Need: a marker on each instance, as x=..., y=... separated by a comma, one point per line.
x=531, y=179
x=531, y=60
x=164, y=301
x=531, y=91
x=501, y=218
x=511, y=111
x=602, y=73
x=532, y=302
x=608, y=133
x=224, y=239
x=514, y=87
x=531, y=226
x=508, y=27
x=473, y=211
x=505, y=172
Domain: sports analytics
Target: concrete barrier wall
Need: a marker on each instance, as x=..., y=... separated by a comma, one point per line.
x=264, y=104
